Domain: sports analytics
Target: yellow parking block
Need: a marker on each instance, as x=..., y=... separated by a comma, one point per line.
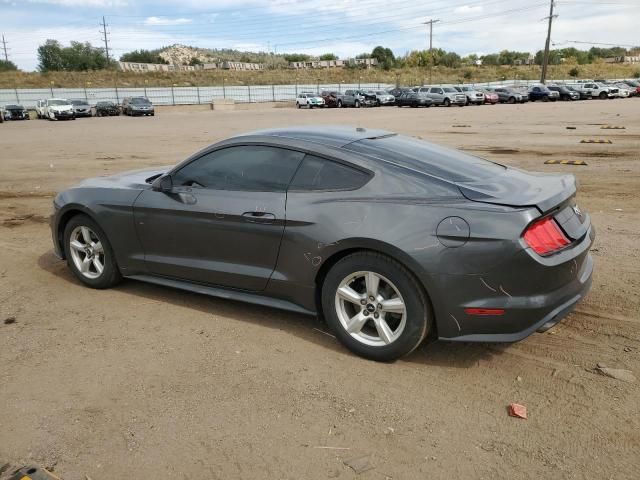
x=565, y=162
x=591, y=140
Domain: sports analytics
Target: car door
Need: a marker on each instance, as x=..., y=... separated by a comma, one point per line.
x=222, y=221
x=437, y=95
x=349, y=98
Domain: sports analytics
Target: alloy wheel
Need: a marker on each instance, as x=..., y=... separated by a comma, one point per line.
x=370, y=308
x=87, y=252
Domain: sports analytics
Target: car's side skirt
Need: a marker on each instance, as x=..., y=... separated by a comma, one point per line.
x=247, y=297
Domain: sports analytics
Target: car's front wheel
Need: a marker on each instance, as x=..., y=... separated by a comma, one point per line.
x=447, y=102
x=375, y=306
x=89, y=253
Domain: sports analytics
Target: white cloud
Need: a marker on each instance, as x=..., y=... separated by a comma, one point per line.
x=83, y=3
x=166, y=21
x=468, y=9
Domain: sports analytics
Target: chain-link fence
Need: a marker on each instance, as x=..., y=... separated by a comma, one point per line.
x=179, y=95
x=201, y=95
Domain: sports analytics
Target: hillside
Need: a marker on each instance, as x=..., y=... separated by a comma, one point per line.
x=182, y=54
x=405, y=76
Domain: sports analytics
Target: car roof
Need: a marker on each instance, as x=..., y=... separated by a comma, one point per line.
x=333, y=135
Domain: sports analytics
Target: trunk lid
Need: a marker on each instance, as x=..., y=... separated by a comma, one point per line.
x=516, y=188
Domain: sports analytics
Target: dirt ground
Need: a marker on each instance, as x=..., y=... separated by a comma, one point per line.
x=147, y=382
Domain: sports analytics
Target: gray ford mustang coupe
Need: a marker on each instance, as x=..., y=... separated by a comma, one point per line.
x=387, y=237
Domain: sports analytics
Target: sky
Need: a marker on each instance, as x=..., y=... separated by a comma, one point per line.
x=343, y=27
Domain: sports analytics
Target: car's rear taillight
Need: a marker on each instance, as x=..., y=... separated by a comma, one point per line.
x=545, y=237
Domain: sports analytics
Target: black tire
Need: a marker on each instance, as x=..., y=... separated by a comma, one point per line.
x=447, y=102
x=357, y=104
x=418, y=308
x=298, y=105
x=512, y=100
x=111, y=274
x=339, y=103
x=602, y=95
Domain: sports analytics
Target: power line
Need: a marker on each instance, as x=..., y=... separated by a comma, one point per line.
x=545, y=60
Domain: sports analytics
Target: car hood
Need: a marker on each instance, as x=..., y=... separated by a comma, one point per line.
x=134, y=179
x=518, y=188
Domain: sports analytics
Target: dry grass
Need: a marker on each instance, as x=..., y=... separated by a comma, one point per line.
x=407, y=76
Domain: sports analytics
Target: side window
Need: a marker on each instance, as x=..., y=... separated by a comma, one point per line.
x=245, y=168
x=317, y=173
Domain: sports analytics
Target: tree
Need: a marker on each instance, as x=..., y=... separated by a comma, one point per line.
x=7, y=66
x=385, y=57
x=467, y=75
x=449, y=59
x=195, y=61
x=328, y=56
x=296, y=57
x=574, y=72
x=52, y=56
x=143, y=56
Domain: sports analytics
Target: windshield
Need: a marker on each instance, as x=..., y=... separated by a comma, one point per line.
x=78, y=102
x=449, y=89
x=105, y=104
x=58, y=102
x=445, y=163
x=140, y=101
x=14, y=107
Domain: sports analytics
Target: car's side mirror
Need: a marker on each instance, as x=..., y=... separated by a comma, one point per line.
x=164, y=184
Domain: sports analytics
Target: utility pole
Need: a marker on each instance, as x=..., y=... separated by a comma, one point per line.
x=430, y=23
x=545, y=59
x=4, y=47
x=104, y=32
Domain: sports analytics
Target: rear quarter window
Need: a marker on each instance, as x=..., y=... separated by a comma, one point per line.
x=447, y=164
x=317, y=173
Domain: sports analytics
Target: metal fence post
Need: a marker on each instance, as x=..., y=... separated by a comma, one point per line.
x=51, y=88
x=173, y=98
x=17, y=97
x=249, y=90
x=117, y=95
x=296, y=89
x=273, y=93
x=198, y=90
x=224, y=92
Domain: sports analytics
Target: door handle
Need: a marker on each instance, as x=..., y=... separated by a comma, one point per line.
x=259, y=217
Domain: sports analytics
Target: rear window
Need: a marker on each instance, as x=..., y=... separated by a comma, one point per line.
x=317, y=173
x=428, y=158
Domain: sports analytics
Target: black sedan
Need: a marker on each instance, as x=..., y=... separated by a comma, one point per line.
x=107, y=109
x=413, y=99
x=389, y=238
x=15, y=112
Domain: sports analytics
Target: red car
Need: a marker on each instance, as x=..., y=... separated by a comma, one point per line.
x=489, y=96
x=330, y=98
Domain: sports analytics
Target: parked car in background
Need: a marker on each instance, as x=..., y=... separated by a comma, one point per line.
x=474, y=96
x=107, y=109
x=397, y=91
x=509, y=251
x=631, y=91
x=330, y=98
x=490, y=97
x=309, y=100
x=584, y=94
x=540, y=92
x=510, y=95
x=14, y=112
x=564, y=92
x=634, y=84
x=357, y=99
x=81, y=108
x=413, y=99
x=41, y=109
x=598, y=90
x=137, y=106
x=59, y=109
x=445, y=96
x=384, y=98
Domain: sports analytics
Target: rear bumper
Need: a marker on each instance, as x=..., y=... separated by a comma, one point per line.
x=533, y=298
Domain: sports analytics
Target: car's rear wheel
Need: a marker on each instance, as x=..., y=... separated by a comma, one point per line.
x=357, y=104
x=89, y=253
x=375, y=306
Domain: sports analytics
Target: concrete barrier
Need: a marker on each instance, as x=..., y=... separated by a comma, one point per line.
x=223, y=104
